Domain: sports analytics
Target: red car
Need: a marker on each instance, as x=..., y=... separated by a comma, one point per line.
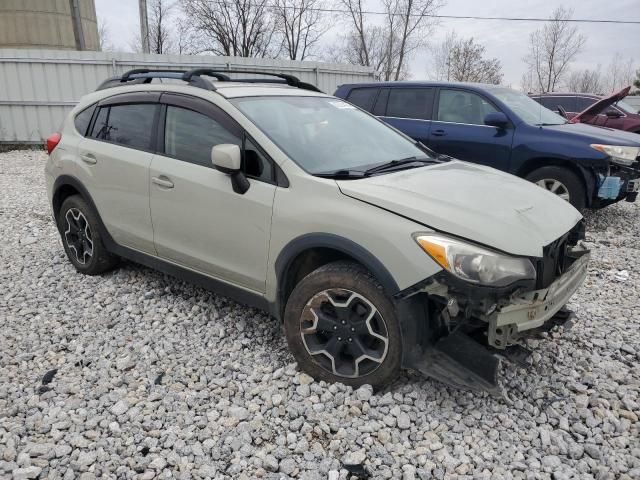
x=609, y=111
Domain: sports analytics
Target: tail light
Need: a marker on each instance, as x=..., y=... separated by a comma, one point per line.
x=52, y=142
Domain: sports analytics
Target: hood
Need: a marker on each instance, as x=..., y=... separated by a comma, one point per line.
x=478, y=203
x=587, y=133
x=600, y=106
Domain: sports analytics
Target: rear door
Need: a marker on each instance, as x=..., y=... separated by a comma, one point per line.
x=408, y=109
x=115, y=158
x=199, y=222
x=458, y=129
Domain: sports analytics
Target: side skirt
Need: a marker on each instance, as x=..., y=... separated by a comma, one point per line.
x=216, y=286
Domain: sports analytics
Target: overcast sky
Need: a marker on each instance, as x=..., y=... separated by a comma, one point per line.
x=504, y=40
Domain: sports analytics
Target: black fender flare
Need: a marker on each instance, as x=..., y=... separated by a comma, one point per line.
x=64, y=180
x=336, y=242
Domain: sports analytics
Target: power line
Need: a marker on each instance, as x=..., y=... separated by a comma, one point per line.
x=437, y=16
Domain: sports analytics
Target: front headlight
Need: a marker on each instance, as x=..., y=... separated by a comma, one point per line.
x=619, y=154
x=475, y=264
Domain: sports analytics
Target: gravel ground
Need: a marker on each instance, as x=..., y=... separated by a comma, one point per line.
x=136, y=375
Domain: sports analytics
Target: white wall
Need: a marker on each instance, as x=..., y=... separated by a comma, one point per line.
x=38, y=87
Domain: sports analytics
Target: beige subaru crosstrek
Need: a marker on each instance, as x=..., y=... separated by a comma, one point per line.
x=375, y=252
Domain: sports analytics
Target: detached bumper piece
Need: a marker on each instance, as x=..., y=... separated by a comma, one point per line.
x=461, y=362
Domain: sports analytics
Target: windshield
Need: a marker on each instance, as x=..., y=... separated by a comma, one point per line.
x=526, y=108
x=323, y=134
x=626, y=107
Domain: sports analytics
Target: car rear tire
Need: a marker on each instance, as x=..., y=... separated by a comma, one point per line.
x=562, y=182
x=78, y=226
x=341, y=326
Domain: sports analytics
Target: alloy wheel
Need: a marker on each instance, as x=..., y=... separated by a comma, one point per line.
x=78, y=235
x=555, y=186
x=344, y=333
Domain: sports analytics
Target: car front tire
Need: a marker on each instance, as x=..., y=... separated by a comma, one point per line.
x=341, y=326
x=78, y=227
x=562, y=182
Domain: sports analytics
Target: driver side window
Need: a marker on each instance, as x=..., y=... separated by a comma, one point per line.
x=458, y=106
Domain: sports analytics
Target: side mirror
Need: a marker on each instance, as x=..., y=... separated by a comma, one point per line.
x=226, y=158
x=496, y=119
x=612, y=113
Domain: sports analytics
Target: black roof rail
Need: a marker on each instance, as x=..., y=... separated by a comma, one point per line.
x=193, y=77
x=220, y=75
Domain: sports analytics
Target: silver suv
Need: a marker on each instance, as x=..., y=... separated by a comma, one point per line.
x=373, y=251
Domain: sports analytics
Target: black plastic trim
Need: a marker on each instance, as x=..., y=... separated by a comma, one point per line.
x=133, y=97
x=236, y=293
x=327, y=240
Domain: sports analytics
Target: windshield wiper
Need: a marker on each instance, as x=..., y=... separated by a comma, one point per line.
x=340, y=174
x=549, y=124
x=399, y=163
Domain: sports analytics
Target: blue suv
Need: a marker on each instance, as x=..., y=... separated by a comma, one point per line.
x=505, y=129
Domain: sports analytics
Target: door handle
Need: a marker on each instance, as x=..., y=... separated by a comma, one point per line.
x=88, y=158
x=162, y=181
x=439, y=133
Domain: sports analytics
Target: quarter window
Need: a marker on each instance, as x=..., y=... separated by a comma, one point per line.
x=410, y=103
x=458, y=106
x=129, y=125
x=363, y=97
x=190, y=135
x=83, y=119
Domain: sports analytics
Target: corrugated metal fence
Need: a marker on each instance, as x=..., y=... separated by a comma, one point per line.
x=38, y=87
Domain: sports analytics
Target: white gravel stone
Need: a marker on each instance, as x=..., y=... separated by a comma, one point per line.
x=151, y=369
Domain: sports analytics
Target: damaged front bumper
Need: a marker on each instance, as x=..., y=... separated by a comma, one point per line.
x=622, y=183
x=530, y=310
x=474, y=330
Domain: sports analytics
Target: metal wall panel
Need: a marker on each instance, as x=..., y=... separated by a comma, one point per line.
x=38, y=87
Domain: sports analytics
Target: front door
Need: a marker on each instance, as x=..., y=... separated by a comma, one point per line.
x=199, y=222
x=458, y=130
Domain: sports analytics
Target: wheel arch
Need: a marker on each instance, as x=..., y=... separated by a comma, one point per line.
x=64, y=187
x=585, y=176
x=308, y=252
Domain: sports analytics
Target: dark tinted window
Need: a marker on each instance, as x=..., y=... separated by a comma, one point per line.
x=83, y=119
x=381, y=102
x=189, y=136
x=584, y=102
x=548, y=102
x=410, y=103
x=256, y=164
x=128, y=125
x=458, y=106
x=568, y=103
x=363, y=97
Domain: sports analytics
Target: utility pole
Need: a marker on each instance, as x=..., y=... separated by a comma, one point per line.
x=144, y=26
x=78, y=33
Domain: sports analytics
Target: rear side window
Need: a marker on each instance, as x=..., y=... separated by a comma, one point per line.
x=363, y=97
x=189, y=136
x=410, y=103
x=129, y=125
x=83, y=119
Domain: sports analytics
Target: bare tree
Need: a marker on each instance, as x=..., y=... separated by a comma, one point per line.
x=636, y=82
x=104, y=37
x=407, y=24
x=243, y=28
x=585, y=81
x=301, y=24
x=160, y=40
x=462, y=60
x=620, y=73
x=552, y=49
